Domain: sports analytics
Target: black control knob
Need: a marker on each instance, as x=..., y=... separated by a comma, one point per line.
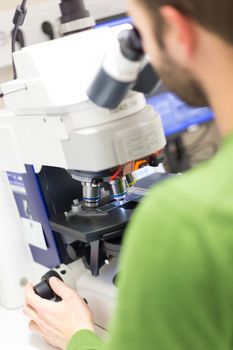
x=47, y=29
x=43, y=288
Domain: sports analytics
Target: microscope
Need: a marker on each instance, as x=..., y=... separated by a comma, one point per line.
x=81, y=148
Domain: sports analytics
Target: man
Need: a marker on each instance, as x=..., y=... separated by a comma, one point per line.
x=176, y=285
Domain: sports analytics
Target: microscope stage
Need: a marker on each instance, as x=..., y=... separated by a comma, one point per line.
x=94, y=224
x=108, y=220
x=100, y=229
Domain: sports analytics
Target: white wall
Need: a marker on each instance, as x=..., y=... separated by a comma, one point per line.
x=6, y=73
x=8, y=4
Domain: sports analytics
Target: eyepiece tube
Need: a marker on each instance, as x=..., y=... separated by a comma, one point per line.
x=119, y=71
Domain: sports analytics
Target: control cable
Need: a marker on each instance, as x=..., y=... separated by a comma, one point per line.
x=18, y=21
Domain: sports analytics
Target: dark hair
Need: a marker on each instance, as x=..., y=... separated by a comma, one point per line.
x=214, y=15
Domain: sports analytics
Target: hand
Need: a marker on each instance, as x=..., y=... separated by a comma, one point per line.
x=57, y=322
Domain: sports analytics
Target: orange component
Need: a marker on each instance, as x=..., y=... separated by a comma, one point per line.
x=139, y=163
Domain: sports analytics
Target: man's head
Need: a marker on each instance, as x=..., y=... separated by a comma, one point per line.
x=176, y=35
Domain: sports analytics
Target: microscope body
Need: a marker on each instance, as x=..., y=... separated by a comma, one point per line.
x=67, y=160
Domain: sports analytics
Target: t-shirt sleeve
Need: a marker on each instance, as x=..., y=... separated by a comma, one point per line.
x=85, y=340
x=171, y=290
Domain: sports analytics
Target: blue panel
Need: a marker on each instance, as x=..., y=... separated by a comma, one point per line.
x=176, y=115
x=27, y=191
x=114, y=23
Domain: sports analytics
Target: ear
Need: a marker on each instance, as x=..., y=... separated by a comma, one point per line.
x=179, y=34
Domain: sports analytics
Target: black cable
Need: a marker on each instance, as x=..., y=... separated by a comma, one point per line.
x=13, y=42
x=18, y=21
x=23, y=4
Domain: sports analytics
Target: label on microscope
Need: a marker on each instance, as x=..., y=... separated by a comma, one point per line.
x=16, y=182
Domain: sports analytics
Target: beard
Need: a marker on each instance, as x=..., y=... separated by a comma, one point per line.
x=179, y=81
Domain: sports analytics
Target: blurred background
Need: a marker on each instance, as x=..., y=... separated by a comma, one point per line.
x=6, y=7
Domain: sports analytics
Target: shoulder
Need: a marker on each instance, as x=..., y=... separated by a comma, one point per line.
x=176, y=210
x=189, y=195
x=173, y=199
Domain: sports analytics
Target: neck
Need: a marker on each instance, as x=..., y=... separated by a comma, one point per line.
x=218, y=84
x=221, y=101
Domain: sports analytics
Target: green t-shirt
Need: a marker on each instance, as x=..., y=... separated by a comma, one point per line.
x=176, y=282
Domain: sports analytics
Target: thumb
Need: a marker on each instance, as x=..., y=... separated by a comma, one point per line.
x=60, y=288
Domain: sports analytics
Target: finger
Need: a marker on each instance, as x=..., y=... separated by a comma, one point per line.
x=30, y=295
x=40, y=325
x=60, y=288
x=33, y=326
x=31, y=313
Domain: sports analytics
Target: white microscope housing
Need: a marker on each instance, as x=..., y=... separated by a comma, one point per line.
x=52, y=121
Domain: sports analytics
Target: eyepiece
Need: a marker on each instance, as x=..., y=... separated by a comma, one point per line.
x=119, y=71
x=131, y=45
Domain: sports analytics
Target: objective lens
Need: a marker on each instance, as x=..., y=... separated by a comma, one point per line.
x=91, y=194
x=119, y=188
